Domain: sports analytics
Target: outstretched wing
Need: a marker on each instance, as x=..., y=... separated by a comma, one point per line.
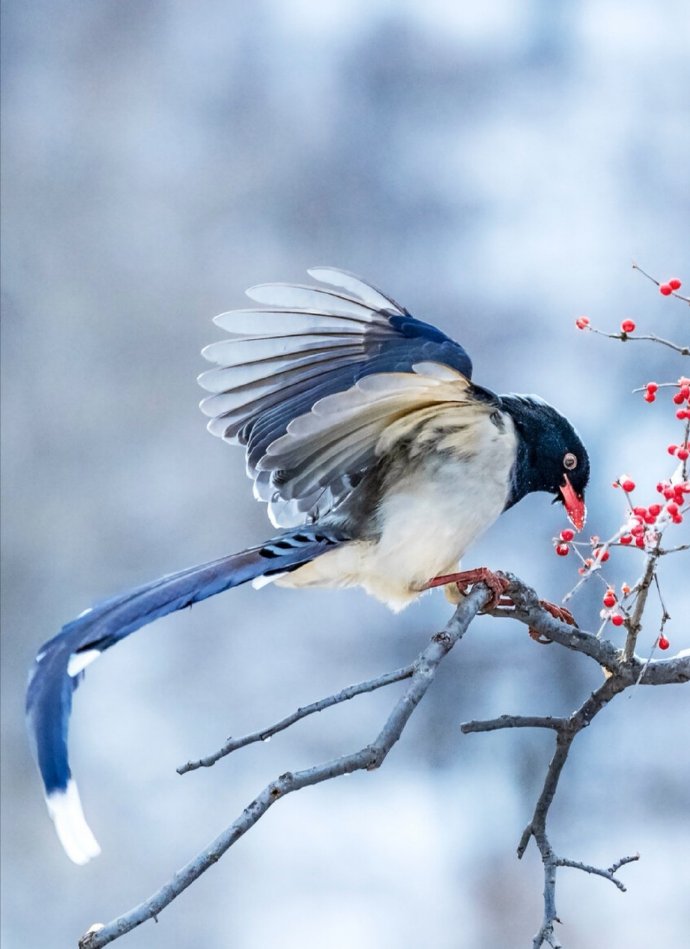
x=291, y=357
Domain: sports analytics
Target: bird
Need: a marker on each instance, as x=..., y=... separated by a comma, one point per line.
x=380, y=462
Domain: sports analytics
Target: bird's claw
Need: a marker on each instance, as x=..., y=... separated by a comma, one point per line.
x=496, y=583
x=558, y=612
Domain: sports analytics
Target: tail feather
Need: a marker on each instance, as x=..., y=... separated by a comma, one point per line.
x=60, y=663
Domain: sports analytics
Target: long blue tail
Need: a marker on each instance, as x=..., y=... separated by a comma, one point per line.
x=58, y=667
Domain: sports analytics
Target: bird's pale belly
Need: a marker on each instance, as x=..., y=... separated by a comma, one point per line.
x=427, y=526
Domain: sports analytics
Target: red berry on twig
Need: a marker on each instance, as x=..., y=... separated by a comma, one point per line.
x=582, y=322
x=628, y=326
x=675, y=284
x=567, y=534
x=627, y=484
x=562, y=550
x=663, y=643
x=617, y=619
x=666, y=289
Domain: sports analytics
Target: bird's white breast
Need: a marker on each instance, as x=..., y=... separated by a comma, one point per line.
x=428, y=518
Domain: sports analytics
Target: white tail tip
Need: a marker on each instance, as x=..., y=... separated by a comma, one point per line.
x=75, y=834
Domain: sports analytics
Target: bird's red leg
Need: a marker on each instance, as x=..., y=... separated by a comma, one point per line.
x=498, y=586
x=495, y=582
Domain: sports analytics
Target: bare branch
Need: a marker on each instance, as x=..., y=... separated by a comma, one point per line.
x=527, y=609
x=513, y=721
x=608, y=874
x=634, y=624
x=649, y=337
x=368, y=758
x=232, y=744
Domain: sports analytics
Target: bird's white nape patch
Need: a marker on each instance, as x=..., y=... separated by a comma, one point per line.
x=259, y=582
x=75, y=834
x=80, y=660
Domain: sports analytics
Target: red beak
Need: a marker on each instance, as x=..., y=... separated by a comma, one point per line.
x=574, y=504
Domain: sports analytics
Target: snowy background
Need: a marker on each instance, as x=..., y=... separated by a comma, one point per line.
x=495, y=167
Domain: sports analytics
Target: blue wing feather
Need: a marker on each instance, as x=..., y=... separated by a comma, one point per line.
x=312, y=358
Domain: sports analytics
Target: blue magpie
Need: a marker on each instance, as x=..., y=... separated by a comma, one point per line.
x=375, y=453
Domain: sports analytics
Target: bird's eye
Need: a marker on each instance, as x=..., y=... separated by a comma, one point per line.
x=569, y=461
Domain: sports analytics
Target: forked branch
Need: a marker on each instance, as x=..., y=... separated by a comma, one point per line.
x=621, y=674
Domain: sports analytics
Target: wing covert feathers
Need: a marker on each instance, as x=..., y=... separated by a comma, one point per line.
x=310, y=379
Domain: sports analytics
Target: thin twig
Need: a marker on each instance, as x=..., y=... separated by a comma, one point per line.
x=644, y=273
x=512, y=721
x=232, y=744
x=649, y=337
x=608, y=874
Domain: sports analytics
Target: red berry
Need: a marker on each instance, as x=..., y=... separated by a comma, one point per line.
x=682, y=454
x=617, y=619
x=649, y=397
x=626, y=539
x=685, y=391
x=567, y=534
x=675, y=284
x=682, y=414
x=666, y=289
x=655, y=509
x=672, y=508
x=601, y=554
x=652, y=386
x=663, y=642
x=562, y=550
x=609, y=598
x=672, y=449
x=677, y=518
x=627, y=326
x=582, y=322
x=628, y=485
x=679, y=398
x=639, y=541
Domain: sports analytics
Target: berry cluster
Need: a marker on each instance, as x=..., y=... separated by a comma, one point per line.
x=644, y=525
x=680, y=398
x=668, y=288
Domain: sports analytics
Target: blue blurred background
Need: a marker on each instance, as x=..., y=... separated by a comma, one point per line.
x=495, y=167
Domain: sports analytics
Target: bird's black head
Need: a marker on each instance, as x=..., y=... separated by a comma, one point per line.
x=550, y=456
